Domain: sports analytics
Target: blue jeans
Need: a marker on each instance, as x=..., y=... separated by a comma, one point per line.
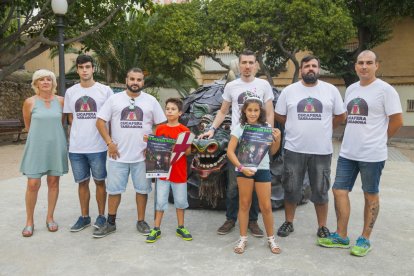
x=347, y=171
x=179, y=193
x=118, y=175
x=232, y=198
x=85, y=163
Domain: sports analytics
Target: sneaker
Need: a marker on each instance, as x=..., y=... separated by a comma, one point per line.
x=184, y=233
x=323, y=232
x=334, y=241
x=99, y=222
x=285, y=229
x=255, y=229
x=81, y=224
x=104, y=231
x=361, y=248
x=153, y=236
x=143, y=228
x=226, y=227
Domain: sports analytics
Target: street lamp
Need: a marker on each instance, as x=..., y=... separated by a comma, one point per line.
x=18, y=15
x=60, y=7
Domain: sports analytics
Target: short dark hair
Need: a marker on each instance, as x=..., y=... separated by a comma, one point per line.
x=247, y=52
x=81, y=59
x=135, y=70
x=309, y=58
x=178, y=102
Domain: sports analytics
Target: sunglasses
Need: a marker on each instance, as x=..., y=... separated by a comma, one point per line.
x=132, y=104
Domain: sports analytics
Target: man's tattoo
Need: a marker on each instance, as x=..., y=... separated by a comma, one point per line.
x=374, y=210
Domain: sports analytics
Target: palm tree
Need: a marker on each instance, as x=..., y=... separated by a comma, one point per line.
x=125, y=48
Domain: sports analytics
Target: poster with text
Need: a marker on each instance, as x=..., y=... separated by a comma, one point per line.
x=254, y=145
x=157, y=157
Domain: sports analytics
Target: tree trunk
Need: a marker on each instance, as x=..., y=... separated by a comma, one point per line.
x=349, y=79
x=218, y=60
x=295, y=77
x=10, y=68
x=265, y=70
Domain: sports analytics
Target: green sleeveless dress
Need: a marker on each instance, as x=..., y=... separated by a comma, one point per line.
x=45, y=152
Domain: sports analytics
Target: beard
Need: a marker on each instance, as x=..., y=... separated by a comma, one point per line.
x=310, y=78
x=136, y=90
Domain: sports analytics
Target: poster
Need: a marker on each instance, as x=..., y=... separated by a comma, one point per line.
x=157, y=156
x=254, y=145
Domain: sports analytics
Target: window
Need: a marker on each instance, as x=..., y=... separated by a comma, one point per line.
x=410, y=105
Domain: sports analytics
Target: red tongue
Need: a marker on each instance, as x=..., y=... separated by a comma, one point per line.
x=204, y=173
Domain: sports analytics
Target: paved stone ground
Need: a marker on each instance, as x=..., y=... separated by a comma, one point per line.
x=125, y=252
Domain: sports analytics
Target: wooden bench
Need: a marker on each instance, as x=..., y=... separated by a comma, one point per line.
x=12, y=127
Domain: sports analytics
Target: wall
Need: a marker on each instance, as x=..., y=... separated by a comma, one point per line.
x=12, y=96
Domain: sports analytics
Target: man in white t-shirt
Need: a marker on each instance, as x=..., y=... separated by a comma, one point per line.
x=87, y=149
x=374, y=115
x=309, y=109
x=235, y=93
x=132, y=114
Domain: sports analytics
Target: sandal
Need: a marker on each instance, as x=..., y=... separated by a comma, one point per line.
x=241, y=245
x=274, y=247
x=52, y=226
x=28, y=231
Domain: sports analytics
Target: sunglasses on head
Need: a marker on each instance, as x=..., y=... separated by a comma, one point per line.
x=132, y=104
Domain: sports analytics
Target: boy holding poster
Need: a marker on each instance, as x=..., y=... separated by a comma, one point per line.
x=178, y=176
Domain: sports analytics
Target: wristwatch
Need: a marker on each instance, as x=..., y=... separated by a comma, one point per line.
x=212, y=128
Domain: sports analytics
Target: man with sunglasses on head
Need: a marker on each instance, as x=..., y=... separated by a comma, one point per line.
x=132, y=114
x=87, y=149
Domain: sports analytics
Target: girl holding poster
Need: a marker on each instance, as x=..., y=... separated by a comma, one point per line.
x=253, y=113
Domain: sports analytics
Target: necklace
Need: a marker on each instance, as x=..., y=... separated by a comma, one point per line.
x=45, y=100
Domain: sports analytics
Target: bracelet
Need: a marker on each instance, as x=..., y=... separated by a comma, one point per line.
x=240, y=168
x=107, y=144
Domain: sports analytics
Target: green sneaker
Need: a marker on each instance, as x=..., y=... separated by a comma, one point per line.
x=184, y=233
x=153, y=236
x=361, y=248
x=334, y=241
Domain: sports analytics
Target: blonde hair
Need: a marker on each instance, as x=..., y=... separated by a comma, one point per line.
x=41, y=74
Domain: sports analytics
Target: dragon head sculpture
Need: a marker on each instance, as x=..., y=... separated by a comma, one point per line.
x=207, y=164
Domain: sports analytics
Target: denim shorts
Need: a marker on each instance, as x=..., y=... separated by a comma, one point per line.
x=259, y=176
x=85, y=163
x=347, y=171
x=179, y=192
x=118, y=174
x=39, y=175
x=294, y=169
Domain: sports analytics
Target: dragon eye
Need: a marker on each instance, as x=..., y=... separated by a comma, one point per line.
x=212, y=148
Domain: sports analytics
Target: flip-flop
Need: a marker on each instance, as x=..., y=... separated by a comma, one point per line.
x=28, y=231
x=52, y=226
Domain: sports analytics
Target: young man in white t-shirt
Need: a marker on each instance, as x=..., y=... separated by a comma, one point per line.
x=235, y=93
x=132, y=114
x=310, y=110
x=374, y=115
x=87, y=149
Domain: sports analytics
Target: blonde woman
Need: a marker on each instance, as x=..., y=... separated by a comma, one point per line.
x=45, y=152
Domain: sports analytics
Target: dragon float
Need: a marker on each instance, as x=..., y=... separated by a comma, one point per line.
x=207, y=164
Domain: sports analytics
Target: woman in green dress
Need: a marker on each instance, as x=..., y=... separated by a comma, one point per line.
x=45, y=152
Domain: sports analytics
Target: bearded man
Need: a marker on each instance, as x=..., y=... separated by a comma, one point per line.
x=310, y=109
